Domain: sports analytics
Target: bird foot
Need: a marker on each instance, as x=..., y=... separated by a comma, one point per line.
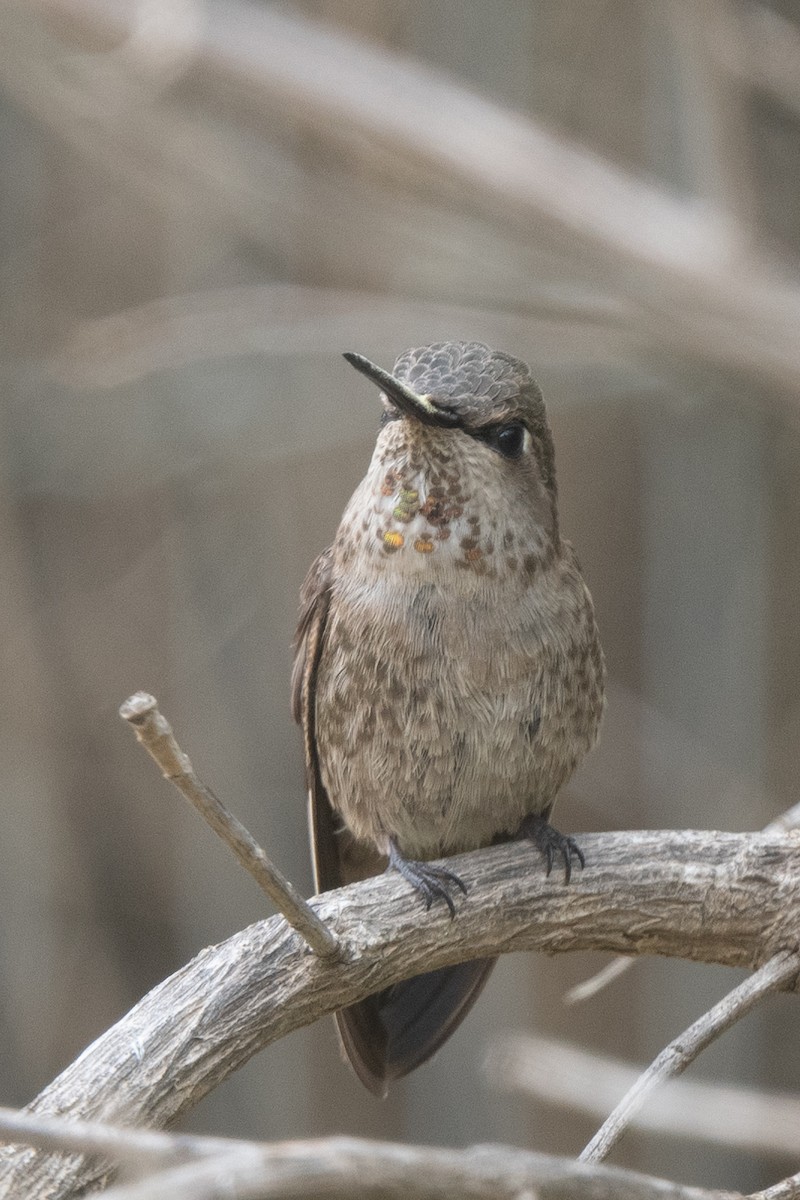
x=430, y=881
x=551, y=843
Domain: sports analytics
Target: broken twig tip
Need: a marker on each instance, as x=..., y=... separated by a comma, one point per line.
x=137, y=707
x=154, y=732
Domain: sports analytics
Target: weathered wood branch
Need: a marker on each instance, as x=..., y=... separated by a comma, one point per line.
x=204, y=1168
x=174, y=1166
x=333, y=1168
x=713, y=897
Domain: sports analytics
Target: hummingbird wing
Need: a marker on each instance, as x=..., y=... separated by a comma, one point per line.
x=315, y=598
x=337, y=858
x=386, y=1035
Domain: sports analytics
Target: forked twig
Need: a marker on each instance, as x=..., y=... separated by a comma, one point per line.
x=155, y=734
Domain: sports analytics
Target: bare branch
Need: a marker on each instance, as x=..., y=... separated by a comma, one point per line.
x=341, y=1168
x=219, y=1169
x=566, y=1075
x=600, y=980
x=285, y=319
x=383, y=114
x=677, y=1056
x=715, y=897
x=112, y=1142
x=786, y=822
x=787, y=1189
x=155, y=734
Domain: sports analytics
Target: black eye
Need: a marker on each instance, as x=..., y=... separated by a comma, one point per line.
x=508, y=439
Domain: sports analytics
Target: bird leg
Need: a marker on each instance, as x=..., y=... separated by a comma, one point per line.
x=430, y=881
x=536, y=827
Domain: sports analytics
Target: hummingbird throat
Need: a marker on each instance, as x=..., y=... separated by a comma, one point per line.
x=428, y=505
x=426, y=511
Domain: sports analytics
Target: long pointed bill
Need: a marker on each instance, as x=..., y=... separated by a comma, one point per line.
x=421, y=408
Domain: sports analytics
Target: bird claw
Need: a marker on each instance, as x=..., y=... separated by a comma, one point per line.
x=551, y=843
x=429, y=880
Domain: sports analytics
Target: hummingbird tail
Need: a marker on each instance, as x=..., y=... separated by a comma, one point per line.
x=389, y=1034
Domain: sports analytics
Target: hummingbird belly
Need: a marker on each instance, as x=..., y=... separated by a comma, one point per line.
x=443, y=719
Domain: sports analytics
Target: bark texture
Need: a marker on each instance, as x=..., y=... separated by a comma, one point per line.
x=714, y=897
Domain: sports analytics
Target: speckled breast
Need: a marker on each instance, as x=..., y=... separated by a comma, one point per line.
x=461, y=677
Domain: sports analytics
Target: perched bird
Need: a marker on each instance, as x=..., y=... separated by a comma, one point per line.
x=448, y=673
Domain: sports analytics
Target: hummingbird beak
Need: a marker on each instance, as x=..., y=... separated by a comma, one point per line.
x=421, y=408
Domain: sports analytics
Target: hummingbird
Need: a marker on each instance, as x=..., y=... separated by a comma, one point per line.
x=448, y=673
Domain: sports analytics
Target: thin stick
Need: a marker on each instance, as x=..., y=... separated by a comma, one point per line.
x=561, y=1074
x=155, y=734
x=676, y=1057
x=601, y=979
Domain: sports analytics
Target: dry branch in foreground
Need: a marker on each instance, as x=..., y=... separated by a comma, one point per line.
x=714, y=897
x=194, y=1168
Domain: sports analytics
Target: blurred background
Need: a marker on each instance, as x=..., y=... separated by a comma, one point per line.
x=201, y=205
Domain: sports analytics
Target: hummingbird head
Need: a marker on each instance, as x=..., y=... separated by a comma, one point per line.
x=465, y=451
